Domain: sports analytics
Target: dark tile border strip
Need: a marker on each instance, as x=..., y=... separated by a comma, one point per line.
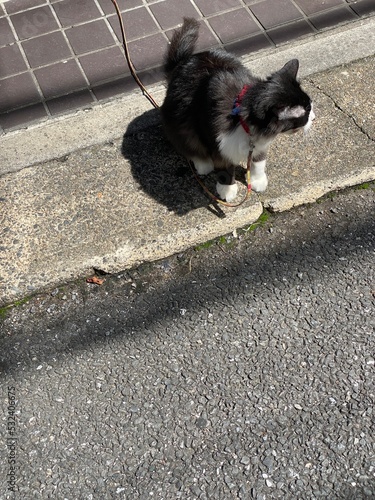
x=88, y=44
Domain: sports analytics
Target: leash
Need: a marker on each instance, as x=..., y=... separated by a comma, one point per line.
x=129, y=61
x=156, y=106
x=218, y=200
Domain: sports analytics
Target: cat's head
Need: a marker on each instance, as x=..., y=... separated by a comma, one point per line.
x=284, y=105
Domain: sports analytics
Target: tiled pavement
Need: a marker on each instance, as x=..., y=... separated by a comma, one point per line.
x=60, y=55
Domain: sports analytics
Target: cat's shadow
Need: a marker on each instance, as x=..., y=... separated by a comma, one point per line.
x=161, y=172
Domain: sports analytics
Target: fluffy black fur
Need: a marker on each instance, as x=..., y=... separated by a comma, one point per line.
x=201, y=91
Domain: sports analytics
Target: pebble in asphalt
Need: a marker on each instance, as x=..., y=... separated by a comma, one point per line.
x=244, y=369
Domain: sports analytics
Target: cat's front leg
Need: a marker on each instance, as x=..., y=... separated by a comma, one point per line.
x=259, y=181
x=203, y=166
x=226, y=186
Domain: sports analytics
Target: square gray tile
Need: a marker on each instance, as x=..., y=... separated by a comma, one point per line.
x=363, y=7
x=60, y=78
x=11, y=61
x=170, y=13
x=206, y=39
x=116, y=87
x=148, y=51
x=127, y=84
x=19, y=5
x=22, y=117
x=16, y=91
x=271, y=13
x=313, y=6
x=332, y=18
x=72, y=12
x=34, y=22
x=90, y=36
x=137, y=23
x=46, y=49
x=108, y=7
x=248, y=45
x=234, y=25
x=68, y=102
x=105, y=65
x=6, y=33
x=216, y=6
x=289, y=32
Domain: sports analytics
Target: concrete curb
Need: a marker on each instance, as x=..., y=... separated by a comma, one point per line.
x=98, y=208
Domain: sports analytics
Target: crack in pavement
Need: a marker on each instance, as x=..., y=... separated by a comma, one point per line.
x=337, y=106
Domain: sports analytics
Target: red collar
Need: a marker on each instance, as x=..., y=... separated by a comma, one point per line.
x=237, y=106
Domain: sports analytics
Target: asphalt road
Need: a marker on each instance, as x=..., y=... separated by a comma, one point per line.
x=244, y=369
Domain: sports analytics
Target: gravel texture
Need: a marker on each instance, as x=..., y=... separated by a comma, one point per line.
x=241, y=369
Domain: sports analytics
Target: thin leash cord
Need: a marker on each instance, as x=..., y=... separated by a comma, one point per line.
x=156, y=105
x=129, y=61
x=218, y=200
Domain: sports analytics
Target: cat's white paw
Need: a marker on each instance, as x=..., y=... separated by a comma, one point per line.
x=227, y=192
x=203, y=167
x=259, y=183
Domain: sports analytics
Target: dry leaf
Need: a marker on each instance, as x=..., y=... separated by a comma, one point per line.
x=95, y=280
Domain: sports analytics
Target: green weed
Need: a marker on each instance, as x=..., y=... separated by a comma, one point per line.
x=262, y=220
x=5, y=309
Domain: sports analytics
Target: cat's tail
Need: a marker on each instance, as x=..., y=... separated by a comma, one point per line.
x=182, y=45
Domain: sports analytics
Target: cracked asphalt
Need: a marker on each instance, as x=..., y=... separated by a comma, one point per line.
x=240, y=369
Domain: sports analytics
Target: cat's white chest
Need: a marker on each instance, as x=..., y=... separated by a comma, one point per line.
x=235, y=145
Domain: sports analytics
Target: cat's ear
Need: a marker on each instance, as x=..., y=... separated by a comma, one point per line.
x=288, y=113
x=291, y=68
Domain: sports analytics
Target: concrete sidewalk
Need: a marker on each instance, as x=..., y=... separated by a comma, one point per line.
x=113, y=205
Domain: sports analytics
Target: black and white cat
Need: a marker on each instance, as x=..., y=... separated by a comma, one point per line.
x=215, y=111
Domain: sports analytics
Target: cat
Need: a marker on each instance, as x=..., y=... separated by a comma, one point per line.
x=215, y=111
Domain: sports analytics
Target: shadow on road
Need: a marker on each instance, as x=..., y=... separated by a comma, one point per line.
x=308, y=246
